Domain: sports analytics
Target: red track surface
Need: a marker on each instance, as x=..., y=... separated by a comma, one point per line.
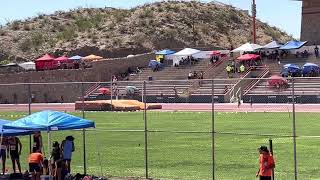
x=219, y=107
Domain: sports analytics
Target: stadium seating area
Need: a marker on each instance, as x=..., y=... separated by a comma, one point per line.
x=308, y=89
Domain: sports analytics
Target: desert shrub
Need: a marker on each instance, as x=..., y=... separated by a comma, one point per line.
x=2, y=32
x=15, y=25
x=67, y=34
x=273, y=33
x=25, y=45
x=83, y=23
x=26, y=27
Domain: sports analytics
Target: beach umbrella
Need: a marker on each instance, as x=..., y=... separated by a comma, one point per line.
x=131, y=89
x=104, y=90
x=310, y=65
x=291, y=66
x=276, y=80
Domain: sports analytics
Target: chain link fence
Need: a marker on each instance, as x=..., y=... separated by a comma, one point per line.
x=206, y=129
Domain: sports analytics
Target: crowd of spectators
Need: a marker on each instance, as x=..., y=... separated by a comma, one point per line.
x=195, y=75
x=187, y=61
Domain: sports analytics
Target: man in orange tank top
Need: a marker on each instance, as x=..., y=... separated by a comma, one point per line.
x=266, y=164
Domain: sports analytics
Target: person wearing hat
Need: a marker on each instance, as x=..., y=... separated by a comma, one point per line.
x=266, y=162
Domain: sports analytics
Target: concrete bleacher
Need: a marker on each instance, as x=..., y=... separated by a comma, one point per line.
x=171, y=81
x=307, y=89
x=301, y=87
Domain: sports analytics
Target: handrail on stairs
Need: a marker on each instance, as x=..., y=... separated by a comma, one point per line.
x=256, y=81
x=92, y=89
x=231, y=92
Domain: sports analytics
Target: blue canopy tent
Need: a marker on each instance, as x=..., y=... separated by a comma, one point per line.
x=51, y=121
x=12, y=132
x=165, y=52
x=293, y=45
x=310, y=68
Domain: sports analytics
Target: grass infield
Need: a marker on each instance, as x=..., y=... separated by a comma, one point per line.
x=180, y=144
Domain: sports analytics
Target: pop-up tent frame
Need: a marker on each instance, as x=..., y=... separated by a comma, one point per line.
x=51, y=121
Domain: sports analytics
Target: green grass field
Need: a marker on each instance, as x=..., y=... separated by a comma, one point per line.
x=174, y=155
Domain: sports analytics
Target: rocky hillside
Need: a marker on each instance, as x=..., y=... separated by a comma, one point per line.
x=119, y=32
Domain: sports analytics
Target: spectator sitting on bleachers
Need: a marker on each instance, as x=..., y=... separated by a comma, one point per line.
x=305, y=54
x=190, y=75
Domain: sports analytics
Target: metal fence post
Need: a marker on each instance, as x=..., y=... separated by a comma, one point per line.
x=111, y=93
x=212, y=130
x=145, y=130
x=294, y=132
x=271, y=151
x=29, y=111
x=83, y=133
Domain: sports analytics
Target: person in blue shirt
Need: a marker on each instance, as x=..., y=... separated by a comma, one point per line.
x=67, y=147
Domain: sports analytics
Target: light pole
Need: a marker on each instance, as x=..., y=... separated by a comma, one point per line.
x=254, y=14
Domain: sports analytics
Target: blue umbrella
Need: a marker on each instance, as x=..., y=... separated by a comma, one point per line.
x=310, y=65
x=76, y=57
x=293, y=66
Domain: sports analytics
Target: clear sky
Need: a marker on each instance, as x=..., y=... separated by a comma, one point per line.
x=285, y=14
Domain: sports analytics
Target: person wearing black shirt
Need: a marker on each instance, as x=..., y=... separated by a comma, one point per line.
x=56, y=161
x=15, y=147
x=37, y=141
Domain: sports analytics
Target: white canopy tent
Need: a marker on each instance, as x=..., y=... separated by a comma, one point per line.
x=183, y=54
x=272, y=45
x=28, y=65
x=247, y=47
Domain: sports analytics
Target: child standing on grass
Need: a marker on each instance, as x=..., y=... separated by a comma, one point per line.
x=266, y=164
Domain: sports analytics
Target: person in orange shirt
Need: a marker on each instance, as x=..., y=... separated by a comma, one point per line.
x=266, y=164
x=35, y=164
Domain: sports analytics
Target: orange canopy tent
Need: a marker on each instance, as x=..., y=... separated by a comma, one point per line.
x=92, y=57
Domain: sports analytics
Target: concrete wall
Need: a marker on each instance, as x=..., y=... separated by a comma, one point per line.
x=310, y=26
x=100, y=71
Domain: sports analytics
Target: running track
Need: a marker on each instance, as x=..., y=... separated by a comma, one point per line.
x=225, y=107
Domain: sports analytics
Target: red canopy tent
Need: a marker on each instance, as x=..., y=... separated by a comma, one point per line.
x=46, y=62
x=248, y=57
x=277, y=81
x=64, y=62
